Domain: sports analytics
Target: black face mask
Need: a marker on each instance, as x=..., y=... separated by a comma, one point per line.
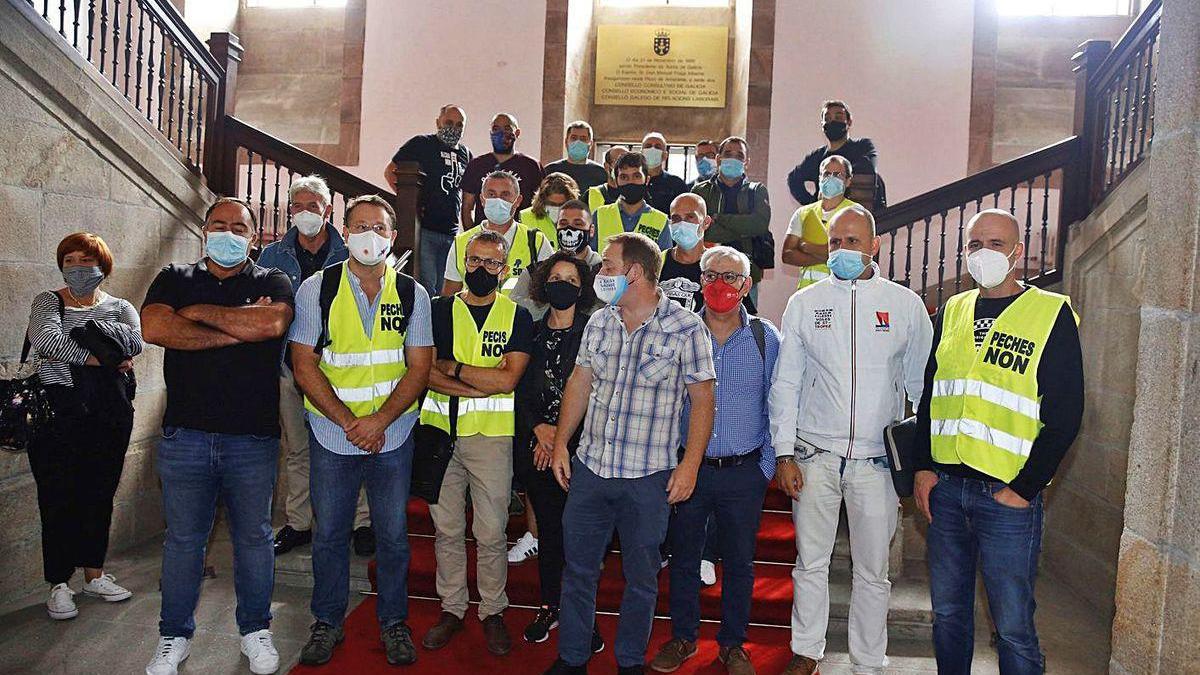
x=481, y=282
x=834, y=130
x=632, y=193
x=562, y=294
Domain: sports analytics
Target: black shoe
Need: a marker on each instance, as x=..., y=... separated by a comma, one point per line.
x=364, y=541
x=597, y=641
x=287, y=539
x=631, y=670
x=545, y=621
x=560, y=667
x=319, y=648
x=397, y=642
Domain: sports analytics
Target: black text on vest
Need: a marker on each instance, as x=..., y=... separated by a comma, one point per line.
x=493, y=342
x=391, y=316
x=1009, y=351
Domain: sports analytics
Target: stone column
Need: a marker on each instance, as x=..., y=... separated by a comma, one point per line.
x=1158, y=577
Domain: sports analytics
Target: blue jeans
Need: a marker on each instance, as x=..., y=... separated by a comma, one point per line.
x=196, y=469
x=434, y=248
x=971, y=529
x=334, y=483
x=733, y=497
x=638, y=509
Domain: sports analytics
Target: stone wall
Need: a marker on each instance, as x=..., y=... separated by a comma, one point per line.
x=1086, y=502
x=74, y=156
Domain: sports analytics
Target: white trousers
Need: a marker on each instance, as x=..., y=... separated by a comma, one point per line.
x=873, y=508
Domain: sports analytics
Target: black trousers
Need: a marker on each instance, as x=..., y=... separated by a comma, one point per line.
x=76, y=463
x=548, y=500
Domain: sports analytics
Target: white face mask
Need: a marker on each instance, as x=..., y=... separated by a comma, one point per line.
x=654, y=157
x=552, y=212
x=368, y=248
x=308, y=223
x=989, y=267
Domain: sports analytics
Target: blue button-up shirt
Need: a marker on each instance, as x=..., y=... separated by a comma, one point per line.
x=743, y=384
x=306, y=330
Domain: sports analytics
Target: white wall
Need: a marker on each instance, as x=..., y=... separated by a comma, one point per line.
x=485, y=55
x=904, y=68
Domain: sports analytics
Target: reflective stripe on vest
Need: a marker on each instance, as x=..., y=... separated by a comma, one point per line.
x=363, y=371
x=985, y=406
x=519, y=255
x=609, y=222
x=490, y=415
x=542, y=223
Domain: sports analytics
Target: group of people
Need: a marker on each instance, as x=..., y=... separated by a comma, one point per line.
x=601, y=350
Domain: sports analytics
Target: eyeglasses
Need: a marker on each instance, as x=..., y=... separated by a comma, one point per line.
x=488, y=264
x=380, y=229
x=735, y=279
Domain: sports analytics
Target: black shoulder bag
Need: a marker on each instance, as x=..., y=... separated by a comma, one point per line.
x=24, y=404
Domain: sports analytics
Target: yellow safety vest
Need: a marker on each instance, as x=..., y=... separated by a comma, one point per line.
x=520, y=255
x=985, y=406
x=608, y=223
x=811, y=274
x=543, y=224
x=490, y=415
x=595, y=198
x=364, y=370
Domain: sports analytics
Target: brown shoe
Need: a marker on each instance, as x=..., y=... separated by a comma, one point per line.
x=495, y=634
x=439, y=636
x=802, y=665
x=736, y=660
x=672, y=655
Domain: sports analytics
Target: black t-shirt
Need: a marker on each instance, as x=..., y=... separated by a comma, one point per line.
x=681, y=283
x=441, y=193
x=310, y=263
x=228, y=390
x=521, y=339
x=585, y=175
x=1060, y=384
x=663, y=189
x=860, y=152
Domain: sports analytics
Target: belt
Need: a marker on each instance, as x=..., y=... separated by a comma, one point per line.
x=735, y=460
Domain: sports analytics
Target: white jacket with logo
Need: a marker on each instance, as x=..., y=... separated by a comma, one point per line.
x=851, y=350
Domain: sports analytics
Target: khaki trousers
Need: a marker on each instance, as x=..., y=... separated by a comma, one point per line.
x=294, y=442
x=484, y=465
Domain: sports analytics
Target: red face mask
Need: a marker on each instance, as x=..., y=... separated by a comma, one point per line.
x=720, y=297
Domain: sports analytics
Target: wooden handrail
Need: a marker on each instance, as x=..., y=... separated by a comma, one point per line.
x=968, y=189
x=185, y=37
x=1132, y=39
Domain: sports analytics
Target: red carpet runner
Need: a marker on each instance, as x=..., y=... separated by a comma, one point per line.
x=363, y=653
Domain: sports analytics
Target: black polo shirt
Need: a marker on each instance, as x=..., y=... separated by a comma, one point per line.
x=663, y=189
x=228, y=390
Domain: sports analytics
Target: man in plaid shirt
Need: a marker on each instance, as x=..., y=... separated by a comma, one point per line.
x=639, y=358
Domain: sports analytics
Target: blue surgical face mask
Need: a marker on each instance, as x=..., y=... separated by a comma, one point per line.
x=707, y=167
x=731, y=167
x=226, y=248
x=610, y=288
x=497, y=211
x=686, y=235
x=577, y=151
x=846, y=264
x=82, y=280
x=832, y=186
x=654, y=157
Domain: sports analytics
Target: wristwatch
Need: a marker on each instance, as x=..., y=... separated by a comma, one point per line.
x=458, y=371
x=785, y=458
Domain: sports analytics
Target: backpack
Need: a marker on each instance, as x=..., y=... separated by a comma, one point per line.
x=331, y=280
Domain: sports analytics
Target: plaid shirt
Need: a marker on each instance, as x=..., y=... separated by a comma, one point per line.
x=639, y=382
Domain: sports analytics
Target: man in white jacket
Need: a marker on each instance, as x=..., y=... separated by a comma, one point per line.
x=854, y=345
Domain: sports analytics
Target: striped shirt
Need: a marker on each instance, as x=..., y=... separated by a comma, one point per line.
x=743, y=383
x=306, y=330
x=51, y=336
x=639, y=380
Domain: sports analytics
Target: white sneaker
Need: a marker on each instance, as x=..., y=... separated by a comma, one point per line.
x=106, y=588
x=61, y=603
x=170, y=653
x=708, y=573
x=525, y=548
x=257, y=647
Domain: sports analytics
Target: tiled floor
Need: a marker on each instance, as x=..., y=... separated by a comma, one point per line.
x=118, y=639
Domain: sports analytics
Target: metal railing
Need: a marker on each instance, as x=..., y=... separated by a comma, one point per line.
x=679, y=159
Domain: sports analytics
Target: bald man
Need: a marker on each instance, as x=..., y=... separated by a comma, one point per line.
x=854, y=347
x=504, y=155
x=1002, y=403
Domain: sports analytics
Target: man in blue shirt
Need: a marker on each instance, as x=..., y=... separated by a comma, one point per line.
x=361, y=364
x=738, y=463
